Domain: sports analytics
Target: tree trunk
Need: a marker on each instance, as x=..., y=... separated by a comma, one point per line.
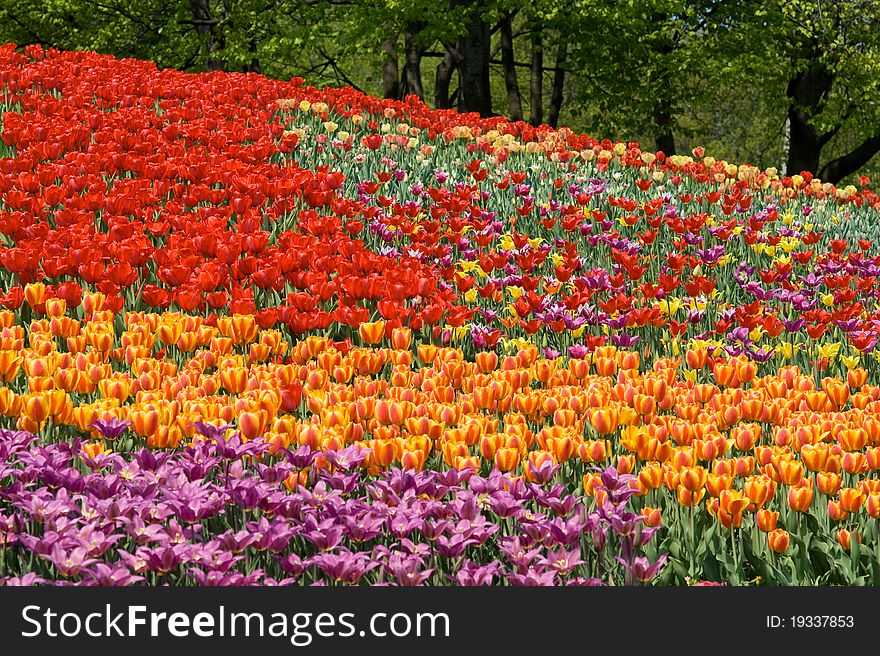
x=413, y=60
x=786, y=146
x=204, y=24
x=807, y=92
x=557, y=96
x=663, y=45
x=390, y=83
x=536, y=83
x=254, y=66
x=514, y=98
x=442, y=80
x=664, y=137
x=475, y=94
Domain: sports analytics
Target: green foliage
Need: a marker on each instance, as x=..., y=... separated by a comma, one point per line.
x=709, y=72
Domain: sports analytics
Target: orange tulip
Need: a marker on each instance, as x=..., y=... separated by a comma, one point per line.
x=506, y=459
x=696, y=358
x=766, y=520
x=836, y=511
x=744, y=467
x=733, y=502
x=851, y=499
x=814, y=456
x=872, y=458
x=651, y=476
x=34, y=293
x=716, y=484
x=93, y=449
x=856, y=378
x=625, y=464
x=372, y=332
x=828, y=483
x=590, y=482
x=36, y=407
x=852, y=439
x=725, y=374
x=844, y=538
x=872, y=505
x=653, y=517
x=854, y=463
x=295, y=479
x=401, y=338
x=778, y=540
x=605, y=420
x=800, y=496
x=693, y=478
x=486, y=361
x=688, y=498
x=791, y=472
x=593, y=450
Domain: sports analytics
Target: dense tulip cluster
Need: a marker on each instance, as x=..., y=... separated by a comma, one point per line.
x=225, y=512
x=257, y=332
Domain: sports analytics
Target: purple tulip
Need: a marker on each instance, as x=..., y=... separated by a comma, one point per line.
x=110, y=429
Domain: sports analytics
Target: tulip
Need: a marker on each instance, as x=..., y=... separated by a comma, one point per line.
x=733, y=502
x=689, y=498
x=716, y=484
x=766, y=520
x=872, y=505
x=35, y=293
x=800, y=496
x=791, y=472
x=854, y=463
x=778, y=540
x=93, y=449
x=851, y=499
x=372, y=332
x=605, y=420
x=844, y=538
x=506, y=459
x=828, y=483
x=697, y=358
x=593, y=451
x=36, y=408
x=652, y=516
x=401, y=338
x=486, y=361
x=836, y=512
x=693, y=479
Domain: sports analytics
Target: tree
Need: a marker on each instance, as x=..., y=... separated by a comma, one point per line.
x=825, y=57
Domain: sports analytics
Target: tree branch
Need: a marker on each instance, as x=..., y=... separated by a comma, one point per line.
x=837, y=169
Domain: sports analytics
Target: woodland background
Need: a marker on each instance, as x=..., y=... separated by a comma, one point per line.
x=790, y=84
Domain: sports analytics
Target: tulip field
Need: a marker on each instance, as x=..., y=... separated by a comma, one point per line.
x=258, y=333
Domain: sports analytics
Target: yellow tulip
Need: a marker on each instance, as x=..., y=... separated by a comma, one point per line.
x=786, y=349
x=850, y=362
x=829, y=351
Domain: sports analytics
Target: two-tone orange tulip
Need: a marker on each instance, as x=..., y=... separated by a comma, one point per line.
x=800, y=496
x=836, y=511
x=372, y=332
x=778, y=540
x=506, y=459
x=851, y=499
x=766, y=520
